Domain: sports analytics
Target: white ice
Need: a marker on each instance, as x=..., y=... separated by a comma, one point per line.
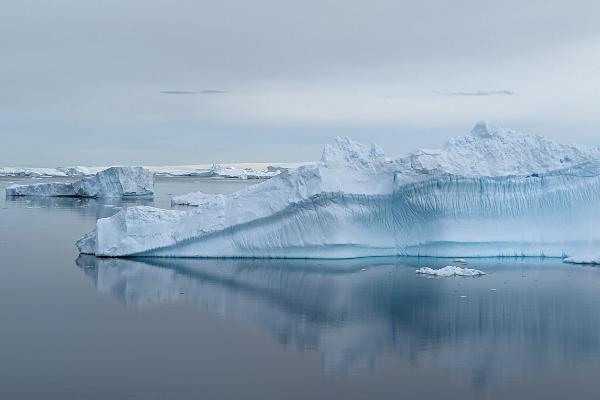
x=494, y=192
x=450, y=270
x=231, y=171
x=111, y=182
x=583, y=259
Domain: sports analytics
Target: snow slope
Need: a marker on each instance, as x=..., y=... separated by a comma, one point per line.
x=111, y=182
x=492, y=192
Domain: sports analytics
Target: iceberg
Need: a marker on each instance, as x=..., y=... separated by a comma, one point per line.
x=111, y=182
x=579, y=259
x=493, y=192
x=450, y=270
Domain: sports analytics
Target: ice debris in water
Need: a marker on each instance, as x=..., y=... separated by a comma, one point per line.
x=589, y=259
x=111, y=182
x=493, y=192
x=450, y=270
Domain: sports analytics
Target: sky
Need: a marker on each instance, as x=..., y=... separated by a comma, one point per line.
x=189, y=82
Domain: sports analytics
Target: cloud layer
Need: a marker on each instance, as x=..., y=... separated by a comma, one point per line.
x=481, y=93
x=158, y=81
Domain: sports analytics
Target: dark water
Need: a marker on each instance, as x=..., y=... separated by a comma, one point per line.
x=84, y=328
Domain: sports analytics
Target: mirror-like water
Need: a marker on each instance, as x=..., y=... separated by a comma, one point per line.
x=82, y=327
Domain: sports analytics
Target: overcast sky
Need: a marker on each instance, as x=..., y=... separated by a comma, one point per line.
x=180, y=82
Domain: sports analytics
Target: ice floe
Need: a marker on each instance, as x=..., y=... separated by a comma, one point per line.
x=450, y=270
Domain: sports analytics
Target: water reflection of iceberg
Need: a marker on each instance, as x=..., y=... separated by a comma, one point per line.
x=87, y=207
x=353, y=312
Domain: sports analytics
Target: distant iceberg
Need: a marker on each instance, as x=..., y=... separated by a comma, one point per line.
x=494, y=192
x=450, y=270
x=50, y=172
x=228, y=171
x=111, y=182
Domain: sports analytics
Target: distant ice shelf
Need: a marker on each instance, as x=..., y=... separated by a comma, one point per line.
x=229, y=171
x=493, y=192
x=111, y=182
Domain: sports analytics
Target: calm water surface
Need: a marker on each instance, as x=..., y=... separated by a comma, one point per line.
x=85, y=328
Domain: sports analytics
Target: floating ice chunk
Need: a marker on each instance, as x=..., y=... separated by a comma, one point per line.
x=450, y=270
x=111, y=182
x=589, y=259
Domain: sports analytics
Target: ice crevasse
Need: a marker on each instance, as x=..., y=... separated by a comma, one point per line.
x=493, y=192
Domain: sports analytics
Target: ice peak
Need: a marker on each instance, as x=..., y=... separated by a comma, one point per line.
x=348, y=153
x=484, y=129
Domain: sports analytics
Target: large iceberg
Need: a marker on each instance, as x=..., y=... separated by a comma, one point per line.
x=111, y=182
x=493, y=192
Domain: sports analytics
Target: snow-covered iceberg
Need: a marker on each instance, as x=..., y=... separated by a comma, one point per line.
x=449, y=270
x=111, y=182
x=492, y=192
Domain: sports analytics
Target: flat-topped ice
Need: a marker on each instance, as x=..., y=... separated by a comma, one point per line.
x=111, y=182
x=492, y=192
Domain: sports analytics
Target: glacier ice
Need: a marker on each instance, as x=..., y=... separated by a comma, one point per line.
x=493, y=192
x=449, y=270
x=111, y=182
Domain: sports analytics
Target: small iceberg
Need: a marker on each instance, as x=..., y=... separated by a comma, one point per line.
x=595, y=260
x=111, y=182
x=450, y=270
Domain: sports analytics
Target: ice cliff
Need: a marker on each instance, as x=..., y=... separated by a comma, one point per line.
x=491, y=192
x=111, y=182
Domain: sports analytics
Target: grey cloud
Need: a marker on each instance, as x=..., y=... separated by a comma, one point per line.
x=176, y=92
x=205, y=91
x=480, y=93
x=213, y=91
